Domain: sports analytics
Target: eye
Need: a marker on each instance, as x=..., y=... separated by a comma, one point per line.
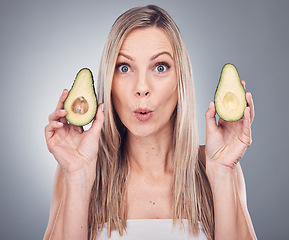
x=162, y=67
x=123, y=68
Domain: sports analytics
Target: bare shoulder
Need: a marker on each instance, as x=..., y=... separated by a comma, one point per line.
x=202, y=154
x=55, y=200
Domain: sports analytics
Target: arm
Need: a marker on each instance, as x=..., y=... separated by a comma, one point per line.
x=71, y=221
x=226, y=144
x=76, y=153
x=69, y=207
x=239, y=194
x=232, y=219
x=243, y=200
x=55, y=201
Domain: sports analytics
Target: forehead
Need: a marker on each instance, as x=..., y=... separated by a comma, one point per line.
x=149, y=39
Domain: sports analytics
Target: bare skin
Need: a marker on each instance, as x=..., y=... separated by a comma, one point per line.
x=75, y=151
x=150, y=83
x=144, y=94
x=226, y=143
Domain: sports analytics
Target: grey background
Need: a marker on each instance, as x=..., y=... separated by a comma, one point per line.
x=44, y=43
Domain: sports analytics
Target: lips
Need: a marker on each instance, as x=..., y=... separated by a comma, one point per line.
x=143, y=114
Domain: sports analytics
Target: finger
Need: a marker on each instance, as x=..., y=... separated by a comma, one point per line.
x=78, y=129
x=61, y=100
x=243, y=84
x=221, y=122
x=57, y=115
x=250, y=105
x=51, y=128
x=246, y=138
x=211, y=118
x=63, y=120
x=99, y=120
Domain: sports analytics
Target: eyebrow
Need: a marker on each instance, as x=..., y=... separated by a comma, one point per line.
x=152, y=58
x=161, y=53
x=126, y=56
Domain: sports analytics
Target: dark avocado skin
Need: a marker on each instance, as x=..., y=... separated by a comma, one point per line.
x=69, y=94
x=77, y=77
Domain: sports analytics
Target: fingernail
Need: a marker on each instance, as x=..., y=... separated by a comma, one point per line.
x=102, y=107
x=210, y=106
x=59, y=123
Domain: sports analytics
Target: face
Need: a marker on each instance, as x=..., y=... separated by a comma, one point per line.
x=144, y=87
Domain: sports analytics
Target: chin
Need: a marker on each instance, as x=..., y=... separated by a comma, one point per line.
x=141, y=131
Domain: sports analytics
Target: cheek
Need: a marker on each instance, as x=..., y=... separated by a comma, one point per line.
x=170, y=93
x=119, y=89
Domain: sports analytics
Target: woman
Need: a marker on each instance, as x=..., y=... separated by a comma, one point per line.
x=140, y=160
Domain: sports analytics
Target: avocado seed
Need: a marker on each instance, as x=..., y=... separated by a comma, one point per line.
x=80, y=105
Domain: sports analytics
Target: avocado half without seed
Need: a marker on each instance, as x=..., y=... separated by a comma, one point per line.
x=230, y=95
x=81, y=102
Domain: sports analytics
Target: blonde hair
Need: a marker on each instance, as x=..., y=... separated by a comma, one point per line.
x=192, y=197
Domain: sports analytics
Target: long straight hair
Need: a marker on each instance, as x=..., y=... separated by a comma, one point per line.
x=192, y=197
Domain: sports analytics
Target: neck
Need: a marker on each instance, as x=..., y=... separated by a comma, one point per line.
x=152, y=155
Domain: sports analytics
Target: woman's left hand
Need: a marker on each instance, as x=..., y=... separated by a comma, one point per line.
x=226, y=142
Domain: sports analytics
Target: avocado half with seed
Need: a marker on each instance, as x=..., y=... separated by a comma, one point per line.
x=81, y=102
x=230, y=95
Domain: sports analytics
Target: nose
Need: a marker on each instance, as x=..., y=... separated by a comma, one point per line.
x=142, y=93
x=142, y=86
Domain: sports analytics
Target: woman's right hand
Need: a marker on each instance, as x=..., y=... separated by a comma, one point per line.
x=74, y=149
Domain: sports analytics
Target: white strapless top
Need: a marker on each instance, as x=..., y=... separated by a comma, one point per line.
x=153, y=229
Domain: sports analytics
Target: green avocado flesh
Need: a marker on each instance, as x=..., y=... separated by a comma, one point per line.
x=81, y=102
x=230, y=95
